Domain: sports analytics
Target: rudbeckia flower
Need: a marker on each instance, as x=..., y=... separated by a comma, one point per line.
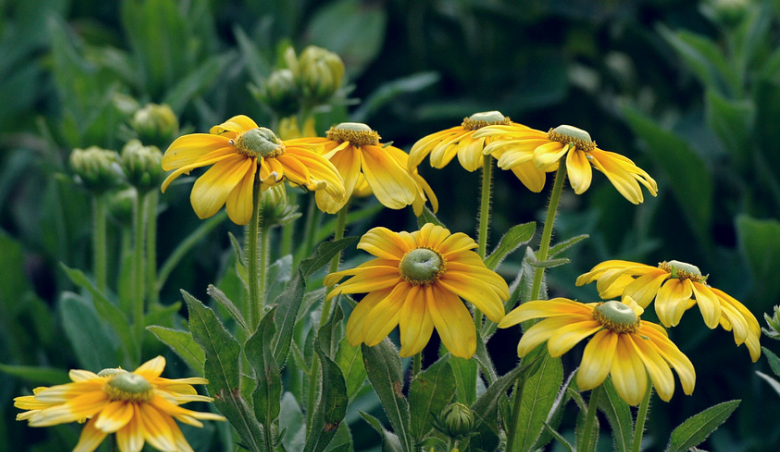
x=240, y=151
x=137, y=406
x=519, y=145
x=676, y=287
x=623, y=346
x=354, y=149
x=417, y=281
x=443, y=146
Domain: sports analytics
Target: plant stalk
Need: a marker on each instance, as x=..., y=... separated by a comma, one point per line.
x=254, y=309
x=152, y=198
x=590, y=419
x=139, y=229
x=544, y=245
x=641, y=417
x=341, y=224
x=99, y=240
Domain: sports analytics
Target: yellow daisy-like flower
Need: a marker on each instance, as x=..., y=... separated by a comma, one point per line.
x=238, y=150
x=417, y=281
x=519, y=145
x=676, y=287
x=138, y=406
x=623, y=345
x=443, y=146
x=354, y=149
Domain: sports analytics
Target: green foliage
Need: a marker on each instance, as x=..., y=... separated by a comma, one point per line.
x=695, y=430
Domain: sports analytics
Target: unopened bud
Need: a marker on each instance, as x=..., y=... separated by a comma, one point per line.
x=281, y=93
x=97, y=169
x=120, y=205
x=142, y=165
x=274, y=207
x=319, y=73
x=456, y=420
x=773, y=324
x=155, y=124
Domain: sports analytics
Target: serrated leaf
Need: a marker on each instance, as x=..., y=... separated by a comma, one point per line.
x=539, y=395
x=182, y=343
x=267, y=395
x=516, y=236
x=331, y=404
x=288, y=302
x=350, y=360
x=697, y=428
x=383, y=366
x=223, y=370
x=618, y=415
x=229, y=306
x=39, y=375
x=427, y=216
x=774, y=361
x=430, y=391
x=323, y=255
x=565, y=245
x=549, y=263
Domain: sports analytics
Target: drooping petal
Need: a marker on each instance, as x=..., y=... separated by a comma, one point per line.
x=212, y=189
x=672, y=301
x=240, y=201
x=347, y=162
x=549, y=154
x=533, y=178
x=356, y=325
x=628, y=373
x=425, y=145
x=114, y=416
x=657, y=367
x=597, y=360
x=623, y=180
x=187, y=149
x=556, y=307
x=645, y=288
x=392, y=185
x=155, y=429
x=453, y=322
x=709, y=305
x=385, y=315
x=475, y=292
x=666, y=348
x=131, y=437
x=415, y=323
x=579, y=171
x=90, y=438
x=470, y=153
x=539, y=333
x=570, y=335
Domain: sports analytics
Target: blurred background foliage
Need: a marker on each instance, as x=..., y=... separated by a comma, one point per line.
x=688, y=90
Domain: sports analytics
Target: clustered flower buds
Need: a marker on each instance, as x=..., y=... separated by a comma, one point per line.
x=96, y=168
x=317, y=72
x=281, y=93
x=142, y=165
x=155, y=124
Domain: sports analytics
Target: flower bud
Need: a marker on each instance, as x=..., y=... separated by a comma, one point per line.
x=728, y=13
x=142, y=165
x=318, y=73
x=274, y=208
x=120, y=205
x=280, y=92
x=96, y=168
x=773, y=323
x=456, y=420
x=288, y=128
x=155, y=124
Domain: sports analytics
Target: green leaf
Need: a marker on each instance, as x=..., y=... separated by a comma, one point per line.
x=565, y=245
x=197, y=82
x=223, y=370
x=774, y=361
x=567, y=445
x=331, y=405
x=390, y=442
x=772, y=382
x=292, y=422
x=556, y=414
x=538, y=397
x=38, y=375
x=392, y=89
x=428, y=217
x=383, y=366
x=429, y=393
x=686, y=172
x=92, y=340
x=267, y=395
x=465, y=371
x=618, y=415
x=183, y=344
x=288, y=302
x=350, y=360
x=732, y=121
x=229, y=306
x=280, y=273
x=759, y=242
x=516, y=236
x=323, y=255
x=109, y=312
x=549, y=263
x=579, y=432
x=697, y=428
x=331, y=333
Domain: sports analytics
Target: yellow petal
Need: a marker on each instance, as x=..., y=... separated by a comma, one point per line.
x=415, y=323
x=240, y=201
x=539, y=333
x=456, y=243
x=206, y=160
x=155, y=429
x=444, y=151
x=578, y=170
x=453, y=322
x=645, y=288
x=597, y=360
x=376, y=279
x=672, y=301
x=187, y=149
x=570, y=335
x=131, y=438
x=392, y=185
x=356, y=324
x=549, y=154
x=384, y=243
x=530, y=176
x=628, y=373
x=709, y=305
x=475, y=292
x=114, y=416
x=657, y=367
x=212, y=189
x=385, y=315
x=423, y=146
x=623, y=180
x=234, y=125
x=666, y=348
x=556, y=307
x=347, y=162
x=470, y=153
x=90, y=438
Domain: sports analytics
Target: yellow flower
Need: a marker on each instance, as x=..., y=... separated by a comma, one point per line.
x=623, y=345
x=519, y=145
x=676, y=287
x=443, y=146
x=138, y=406
x=354, y=149
x=417, y=281
x=237, y=149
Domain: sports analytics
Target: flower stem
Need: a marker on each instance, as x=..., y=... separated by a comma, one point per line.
x=544, y=245
x=484, y=219
x=341, y=224
x=416, y=364
x=264, y=254
x=252, y=234
x=151, y=246
x=99, y=240
x=138, y=268
x=590, y=421
x=641, y=417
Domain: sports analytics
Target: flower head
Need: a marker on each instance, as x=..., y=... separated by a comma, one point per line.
x=623, y=345
x=240, y=151
x=520, y=145
x=138, y=406
x=443, y=146
x=417, y=281
x=676, y=287
x=354, y=149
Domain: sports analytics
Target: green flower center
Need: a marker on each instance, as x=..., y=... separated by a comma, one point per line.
x=616, y=316
x=356, y=133
x=572, y=136
x=484, y=119
x=128, y=387
x=683, y=270
x=258, y=142
x=422, y=267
